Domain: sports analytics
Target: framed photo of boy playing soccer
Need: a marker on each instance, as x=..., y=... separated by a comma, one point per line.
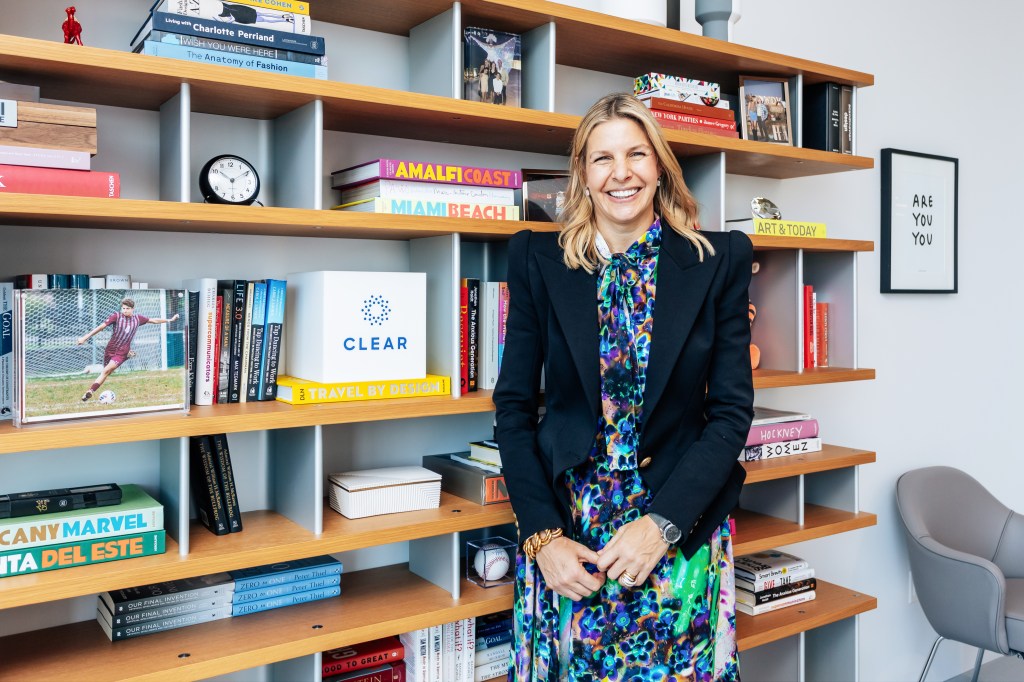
x=96, y=352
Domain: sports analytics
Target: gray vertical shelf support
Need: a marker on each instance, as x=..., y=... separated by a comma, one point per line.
x=302, y=668
x=296, y=464
x=435, y=55
x=778, y=660
x=831, y=652
x=538, y=68
x=796, y=96
x=175, y=157
x=436, y=559
x=174, y=489
x=439, y=258
x=298, y=157
x=782, y=498
x=705, y=176
x=836, y=489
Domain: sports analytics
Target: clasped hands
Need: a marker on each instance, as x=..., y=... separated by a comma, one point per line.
x=633, y=551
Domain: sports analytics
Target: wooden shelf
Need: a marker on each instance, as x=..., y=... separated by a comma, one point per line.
x=831, y=457
x=757, y=532
x=583, y=37
x=777, y=378
x=769, y=243
x=232, y=418
x=268, y=537
x=101, y=76
x=374, y=603
x=832, y=603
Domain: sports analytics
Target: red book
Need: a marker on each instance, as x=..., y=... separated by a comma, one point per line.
x=693, y=108
x=389, y=672
x=808, y=353
x=678, y=117
x=464, y=337
x=216, y=347
x=690, y=127
x=360, y=656
x=77, y=183
x=822, y=318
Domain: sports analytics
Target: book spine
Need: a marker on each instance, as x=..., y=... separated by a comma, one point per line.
x=456, y=175
x=389, y=672
x=193, y=340
x=284, y=589
x=775, y=605
x=81, y=553
x=259, y=314
x=21, y=535
x=237, y=335
x=491, y=626
x=173, y=623
x=806, y=338
x=473, y=339
x=280, y=5
x=448, y=650
x=360, y=656
x=494, y=654
x=203, y=56
x=250, y=17
x=270, y=579
x=458, y=635
x=696, y=128
x=503, y=307
x=6, y=350
x=788, y=228
x=704, y=121
x=430, y=192
x=441, y=209
x=41, y=157
x=783, y=591
x=206, y=338
x=435, y=655
x=769, y=583
x=31, y=180
x=296, y=392
x=417, y=643
x=691, y=108
x=470, y=639
x=206, y=486
x=801, y=446
x=284, y=600
x=464, y=337
x=493, y=640
x=762, y=573
x=223, y=345
x=824, y=341
x=488, y=671
x=814, y=328
x=846, y=121
x=176, y=23
x=835, y=118
x=276, y=294
x=783, y=431
x=241, y=49
x=246, y=363
x=161, y=612
x=226, y=478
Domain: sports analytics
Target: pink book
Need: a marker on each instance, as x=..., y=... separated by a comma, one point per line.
x=782, y=431
x=502, y=319
x=420, y=171
x=79, y=183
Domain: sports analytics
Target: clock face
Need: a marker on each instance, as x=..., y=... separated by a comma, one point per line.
x=229, y=180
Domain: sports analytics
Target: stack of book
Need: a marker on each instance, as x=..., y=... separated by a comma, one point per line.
x=235, y=330
x=147, y=609
x=483, y=318
x=815, y=331
x=779, y=433
x=428, y=189
x=102, y=523
x=261, y=35
x=48, y=148
x=686, y=104
x=380, y=660
x=213, y=484
x=42, y=280
x=467, y=478
x=493, y=650
x=772, y=580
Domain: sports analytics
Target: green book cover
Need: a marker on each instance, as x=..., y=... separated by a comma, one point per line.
x=137, y=513
x=81, y=553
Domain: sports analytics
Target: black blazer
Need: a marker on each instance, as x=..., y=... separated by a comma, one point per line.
x=690, y=439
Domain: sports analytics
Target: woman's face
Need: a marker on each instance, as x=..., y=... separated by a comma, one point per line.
x=622, y=176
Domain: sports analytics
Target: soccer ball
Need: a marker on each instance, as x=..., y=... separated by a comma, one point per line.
x=107, y=398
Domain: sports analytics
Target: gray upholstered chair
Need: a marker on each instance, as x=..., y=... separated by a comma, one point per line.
x=967, y=559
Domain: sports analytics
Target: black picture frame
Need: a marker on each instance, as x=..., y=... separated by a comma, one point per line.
x=920, y=230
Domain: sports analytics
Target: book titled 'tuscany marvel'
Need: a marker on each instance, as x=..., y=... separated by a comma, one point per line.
x=421, y=171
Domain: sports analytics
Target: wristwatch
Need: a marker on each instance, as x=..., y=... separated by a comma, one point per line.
x=670, y=533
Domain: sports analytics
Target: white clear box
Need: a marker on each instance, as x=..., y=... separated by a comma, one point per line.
x=371, y=492
x=491, y=561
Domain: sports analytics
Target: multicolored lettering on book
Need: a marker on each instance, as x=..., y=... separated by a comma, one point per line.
x=301, y=392
x=50, y=558
x=400, y=169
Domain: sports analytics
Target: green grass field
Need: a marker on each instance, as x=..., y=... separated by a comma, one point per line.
x=47, y=397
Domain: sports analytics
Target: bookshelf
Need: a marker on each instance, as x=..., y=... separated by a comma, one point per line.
x=184, y=104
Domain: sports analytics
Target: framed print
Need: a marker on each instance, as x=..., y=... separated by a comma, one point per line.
x=765, y=111
x=544, y=194
x=919, y=223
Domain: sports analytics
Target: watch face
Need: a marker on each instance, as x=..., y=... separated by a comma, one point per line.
x=229, y=179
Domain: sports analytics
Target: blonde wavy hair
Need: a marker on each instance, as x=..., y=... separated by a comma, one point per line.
x=672, y=200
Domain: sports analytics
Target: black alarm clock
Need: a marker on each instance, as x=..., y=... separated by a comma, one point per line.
x=229, y=179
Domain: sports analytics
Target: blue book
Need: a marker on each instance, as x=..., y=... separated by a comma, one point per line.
x=257, y=327
x=285, y=572
x=262, y=593
x=496, y=639
x=177, y=23
x=273, y=328
x=493, y=627
x=202, y=56
x=284, y=600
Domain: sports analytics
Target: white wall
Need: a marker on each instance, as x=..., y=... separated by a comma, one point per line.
x=948, y=369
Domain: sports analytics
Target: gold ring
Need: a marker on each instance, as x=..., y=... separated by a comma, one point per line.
x=627, y=579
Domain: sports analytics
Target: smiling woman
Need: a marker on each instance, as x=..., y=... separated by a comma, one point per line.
x=622, y=491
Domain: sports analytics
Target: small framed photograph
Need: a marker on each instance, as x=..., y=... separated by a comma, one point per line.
x=764, y=106
x=96, y=352
x=919, y=223
x=544, y=194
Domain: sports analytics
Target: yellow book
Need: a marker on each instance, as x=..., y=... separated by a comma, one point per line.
x=280, y=5
x=788, y=228
x=302, y=392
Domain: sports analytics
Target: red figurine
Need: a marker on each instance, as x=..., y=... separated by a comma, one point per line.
x=72, y=29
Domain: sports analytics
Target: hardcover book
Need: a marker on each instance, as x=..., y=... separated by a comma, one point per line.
x=768, y=415
x=226, y=477
x=41, y=157
x=289, y=599
x=719, y=111
x=775, y=605
x=176, y=23
x=492, y=66
x=438, y=209
x=81, y=553
x=155, y=595
x=243, y=15
x=273, y=329
x=389, y=672
x=6, y=350
x=782, y=431
x=72, y=183
x=370, y=492
x=822, y=117
x=284, y=589
x=282, y=572
x=241, y=61
x=414, y=190
x=421, y=171
x=241, y=49
x=206, y=485
x=153, y=626
x=767, y=564
x=800, y=446
x=771, y=583
x=127, y=618
x=360, y=656
x=774, y=594
x=301, y=392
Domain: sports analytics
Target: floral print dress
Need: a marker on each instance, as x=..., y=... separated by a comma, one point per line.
x=680, y=623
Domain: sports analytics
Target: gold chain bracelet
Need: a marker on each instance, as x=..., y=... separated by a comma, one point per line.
x=533, y=543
